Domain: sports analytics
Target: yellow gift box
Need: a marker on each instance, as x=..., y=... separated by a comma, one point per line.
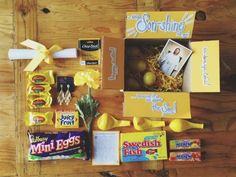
x=201, y=74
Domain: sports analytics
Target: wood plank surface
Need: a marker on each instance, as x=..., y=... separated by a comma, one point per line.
x=63, y=22
x=7, y=93
x=58, y=31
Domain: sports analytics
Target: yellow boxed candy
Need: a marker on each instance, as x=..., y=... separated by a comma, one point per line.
x=143, y=146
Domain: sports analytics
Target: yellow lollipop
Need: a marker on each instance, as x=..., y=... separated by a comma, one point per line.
x=107, y=122
x=178, y=125
x=144, y=123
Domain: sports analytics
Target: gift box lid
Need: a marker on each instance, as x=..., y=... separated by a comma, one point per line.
x=165, y=24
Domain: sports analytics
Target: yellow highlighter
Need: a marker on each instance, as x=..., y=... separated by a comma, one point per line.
x=145, y=123
x=107, y=122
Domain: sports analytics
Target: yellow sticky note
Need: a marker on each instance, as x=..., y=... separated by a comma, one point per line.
x=157, y=104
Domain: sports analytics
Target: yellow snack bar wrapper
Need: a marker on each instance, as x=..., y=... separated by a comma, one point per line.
x=42, y=77
x=38, y=89
x=38, y=118
x=42, y=101
x=67, y=119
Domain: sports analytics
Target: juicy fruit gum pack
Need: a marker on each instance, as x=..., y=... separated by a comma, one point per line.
x=48, y=146
x=143, y=146
x=67, y=119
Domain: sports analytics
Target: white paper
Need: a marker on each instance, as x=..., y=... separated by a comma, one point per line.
x=106, y=148
x=21, y=54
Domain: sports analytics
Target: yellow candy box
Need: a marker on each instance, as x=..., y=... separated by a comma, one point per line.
x=143, y=146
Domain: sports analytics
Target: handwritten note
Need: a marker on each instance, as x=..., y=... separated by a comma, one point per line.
x=106, y=148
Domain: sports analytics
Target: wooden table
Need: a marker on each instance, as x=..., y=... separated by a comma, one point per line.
x=63, y=22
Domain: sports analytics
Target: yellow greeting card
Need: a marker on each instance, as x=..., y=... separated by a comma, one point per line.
x=205, y=70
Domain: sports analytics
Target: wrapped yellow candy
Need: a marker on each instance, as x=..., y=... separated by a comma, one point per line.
x=38, y=118
x=42, y=101
x=42, y=77
x=38, y=89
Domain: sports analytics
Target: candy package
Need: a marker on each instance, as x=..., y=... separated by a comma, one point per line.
x=185, y=144
x=42, y=77
x=38, y=118
x=67, y=119
x=42, y=101
x=48, y=146
x=185, y=156
x=90, y=51
x=38, y=89
x=143, y=146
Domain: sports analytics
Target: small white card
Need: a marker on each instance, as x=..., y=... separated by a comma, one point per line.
x=106, y=148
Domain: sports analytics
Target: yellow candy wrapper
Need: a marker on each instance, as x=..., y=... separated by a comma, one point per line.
x=42, y=101
x=38, y=118
x=67, y=119
x=42, y=77
x=38, y=89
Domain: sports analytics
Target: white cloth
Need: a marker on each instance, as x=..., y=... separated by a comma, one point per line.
x=169, y=63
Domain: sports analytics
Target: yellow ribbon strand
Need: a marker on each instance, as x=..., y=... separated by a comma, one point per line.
x=43, y=54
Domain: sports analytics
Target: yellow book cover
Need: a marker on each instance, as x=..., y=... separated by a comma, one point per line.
x=143, y=146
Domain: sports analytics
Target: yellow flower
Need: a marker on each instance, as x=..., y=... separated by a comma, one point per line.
x=89, y=77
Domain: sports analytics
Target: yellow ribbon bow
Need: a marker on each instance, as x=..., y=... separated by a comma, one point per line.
x=43, y=54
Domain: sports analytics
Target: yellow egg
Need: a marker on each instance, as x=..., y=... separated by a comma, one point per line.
x=141, y=66
x=149, y=78
x=132, y=84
